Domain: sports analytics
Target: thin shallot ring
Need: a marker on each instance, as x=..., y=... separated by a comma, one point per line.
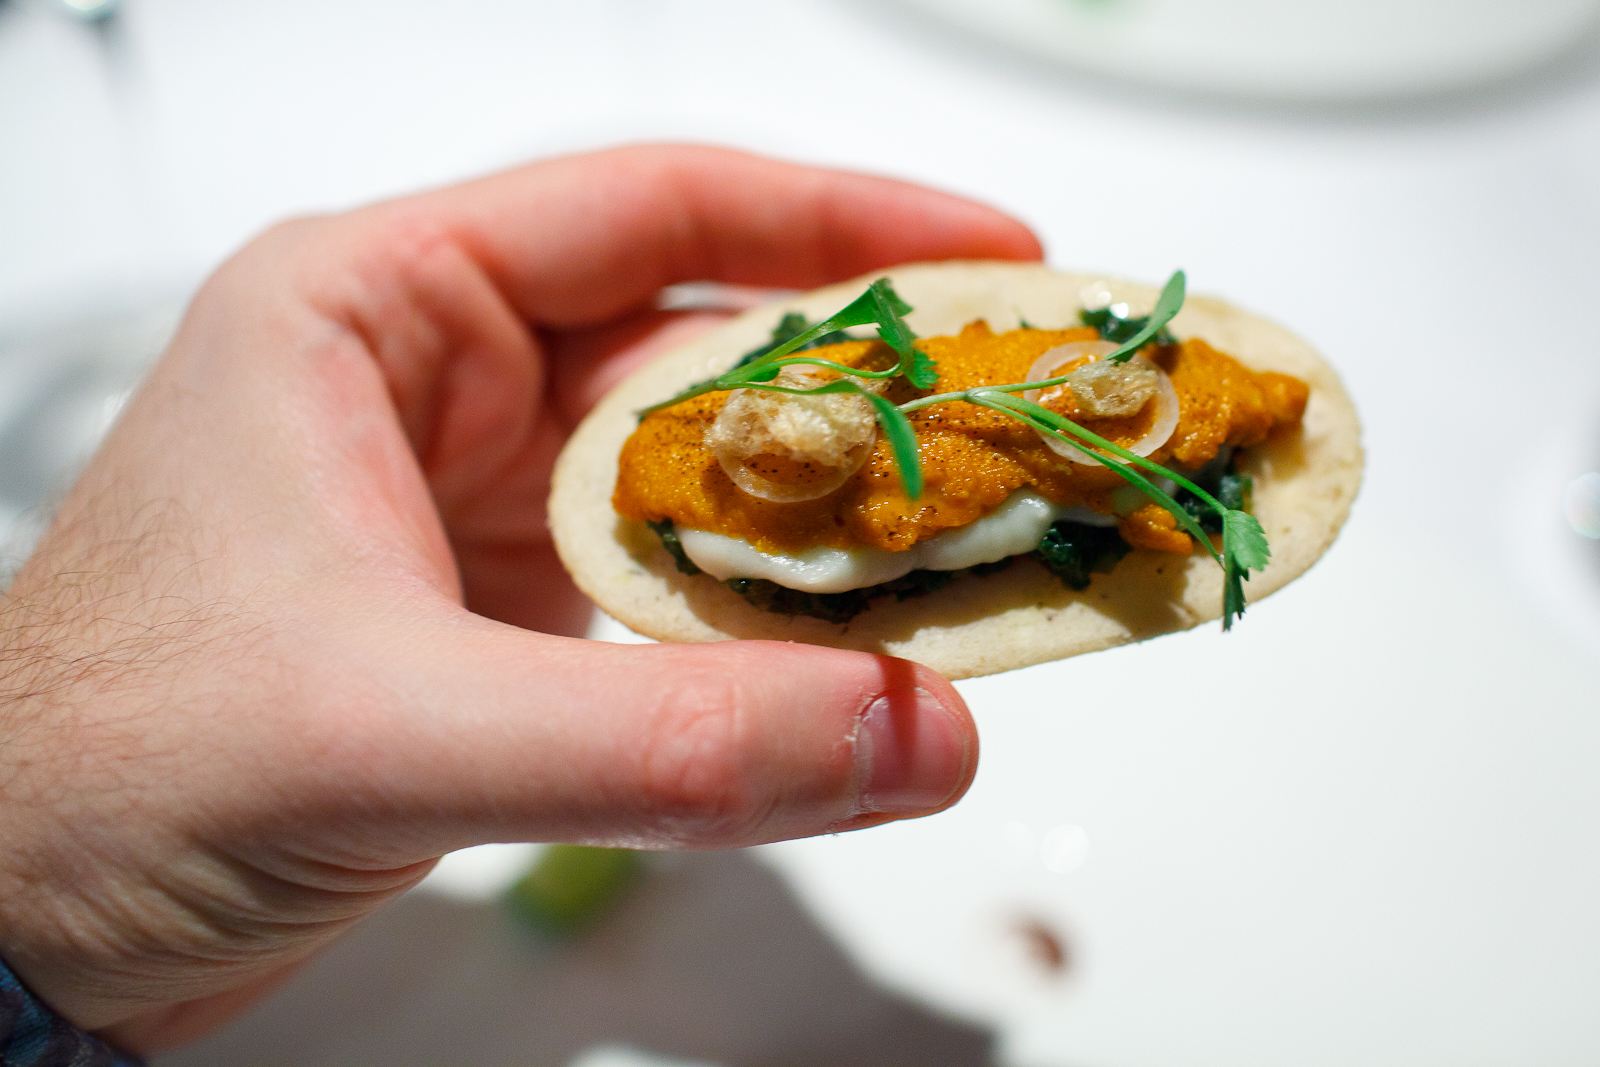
x=757, y=486
x=1166, y=399
x=1045, y=366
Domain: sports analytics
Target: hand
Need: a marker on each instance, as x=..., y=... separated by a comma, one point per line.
x=295, y=632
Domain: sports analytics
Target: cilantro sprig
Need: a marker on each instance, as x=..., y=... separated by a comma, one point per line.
x=1167, y=305
x=1133, y=334
x=879, y=306
x=1244, y=544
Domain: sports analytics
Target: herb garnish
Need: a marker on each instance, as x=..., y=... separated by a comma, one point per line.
x=668, y=532
x=1244, y=543
x=1117, y=328
x=1134, y=334
x=1076, y=551
x=792, y=325
x=835, y=607
x=1221, y=480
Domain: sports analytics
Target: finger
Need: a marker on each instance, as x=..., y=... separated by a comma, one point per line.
x=521, y=581
x=494, y=734
x=587, y=363
x=633, y=220
x=501, y=540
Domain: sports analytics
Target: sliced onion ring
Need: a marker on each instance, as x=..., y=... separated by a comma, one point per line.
x=1166, y=399
x=1047, y=365
x=757, y=486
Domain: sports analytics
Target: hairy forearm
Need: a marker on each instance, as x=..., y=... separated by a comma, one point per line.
x=145, y=680
x=95, y=634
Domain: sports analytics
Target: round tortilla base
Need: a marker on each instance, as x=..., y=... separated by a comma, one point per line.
x=1304, y=485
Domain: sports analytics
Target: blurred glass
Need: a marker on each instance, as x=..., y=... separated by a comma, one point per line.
x=61, y=387
x=1582, y=505
x=89, y=10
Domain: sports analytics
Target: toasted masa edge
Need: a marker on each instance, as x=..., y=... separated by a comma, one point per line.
x=1304, y=487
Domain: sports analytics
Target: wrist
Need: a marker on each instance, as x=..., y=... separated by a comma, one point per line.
x=71, y=900
x=32, y=1035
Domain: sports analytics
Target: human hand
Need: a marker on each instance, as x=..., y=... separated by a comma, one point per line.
x=296, y=631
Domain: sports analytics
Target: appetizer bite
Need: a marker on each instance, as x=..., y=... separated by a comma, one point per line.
x=1059, y=463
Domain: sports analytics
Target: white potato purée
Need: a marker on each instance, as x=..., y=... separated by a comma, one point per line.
x=1012, y=529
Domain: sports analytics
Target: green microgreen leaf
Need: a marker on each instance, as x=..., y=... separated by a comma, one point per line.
x=1117, y=329
x=818, y=361
x=891, y=327
x=1244, y=547
x=1232, y=595
x=1231, y=489
x=903, y=440
x=1244, y=541
x=792, y=325
x=1042, y=418
x=880, y=305
x=1077, y=431
x=923, y=372
x=1167, y=305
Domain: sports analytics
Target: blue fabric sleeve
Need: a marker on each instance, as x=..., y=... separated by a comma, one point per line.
x=31, y=1035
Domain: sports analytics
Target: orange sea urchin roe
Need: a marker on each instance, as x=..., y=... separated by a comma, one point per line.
x=972, y=458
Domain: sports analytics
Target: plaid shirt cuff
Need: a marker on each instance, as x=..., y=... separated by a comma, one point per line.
x=31, y=1035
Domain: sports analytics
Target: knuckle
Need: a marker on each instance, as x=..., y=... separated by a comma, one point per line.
x=362, y=258
x=292, y=231
x=283, y=242
x=698, y=775
x=408, y=239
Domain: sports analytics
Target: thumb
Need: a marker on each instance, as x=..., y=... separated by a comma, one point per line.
x=508, y=735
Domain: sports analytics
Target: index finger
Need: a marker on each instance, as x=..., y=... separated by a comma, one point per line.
x=633, y=220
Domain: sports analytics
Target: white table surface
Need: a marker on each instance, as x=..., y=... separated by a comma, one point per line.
x=1362, y=829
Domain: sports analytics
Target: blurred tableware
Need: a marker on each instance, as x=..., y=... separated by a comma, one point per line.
x=1285, y=49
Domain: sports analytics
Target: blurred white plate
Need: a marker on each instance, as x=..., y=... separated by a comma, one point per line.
x=1285, y=49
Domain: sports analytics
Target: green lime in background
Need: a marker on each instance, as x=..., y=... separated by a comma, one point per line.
x=572, y=886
